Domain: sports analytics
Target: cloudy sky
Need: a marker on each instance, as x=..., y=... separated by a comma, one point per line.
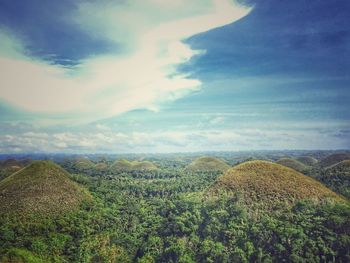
x=115, y=76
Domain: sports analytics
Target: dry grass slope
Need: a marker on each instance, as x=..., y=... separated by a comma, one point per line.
x=294, y=164
x=42, y=188
x=269, y=185
x=125, y=165
x=334, y=159
x=205, y=164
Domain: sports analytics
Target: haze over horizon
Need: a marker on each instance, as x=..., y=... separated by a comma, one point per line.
x=173, y=76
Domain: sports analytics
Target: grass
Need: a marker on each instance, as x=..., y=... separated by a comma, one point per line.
x=205, y=164
x=270, y=185
x=42, y=188
x=125, y=165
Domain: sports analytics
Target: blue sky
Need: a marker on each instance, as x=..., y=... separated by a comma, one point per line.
x=170, y=76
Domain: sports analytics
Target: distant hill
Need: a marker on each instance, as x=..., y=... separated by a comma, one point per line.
x=334, y=159
x=205, y=164
x=9, y=167
x=294, y=164
x=83, y=164
x=102, y=166
x=42, y=188
x=307, y=160
x=269, y=185
x=337, y=177
x=125, y=165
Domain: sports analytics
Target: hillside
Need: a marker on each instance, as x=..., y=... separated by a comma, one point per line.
x=307, y=160
x=83, y=164
x=102, y=166
x=9, y=167
x=269, y=185
x=205, y=164
x=337, y=177
x=42, y=188
x=125, y=165
x=294, y=164
x=334, y=159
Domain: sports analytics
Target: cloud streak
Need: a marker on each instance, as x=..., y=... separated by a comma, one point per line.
x=141, y=76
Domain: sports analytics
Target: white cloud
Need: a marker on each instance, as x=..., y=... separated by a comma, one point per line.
x=174, y=141
x=150, y=33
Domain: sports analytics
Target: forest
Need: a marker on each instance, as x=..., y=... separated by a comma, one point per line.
x=171, y=214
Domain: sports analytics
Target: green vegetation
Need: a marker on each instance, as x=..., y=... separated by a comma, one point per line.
x=334, y=159
x=307, y=160
x=205, y=164
x=294, y=164
x=176, y=215
x=337, y=177
x=125, y=165
x=41, y=188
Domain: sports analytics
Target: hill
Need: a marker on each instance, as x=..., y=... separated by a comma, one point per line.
x=337, y=177
x=205, y=164
x=83, y=164
x=42, y=188
x=334, y=159
x=307, y=160
x=294, y=164
x=269, y=185
x=125, y=165
x=102, y=166
x=9, y=167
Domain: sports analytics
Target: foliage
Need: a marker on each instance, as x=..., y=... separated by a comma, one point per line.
x=163, y=216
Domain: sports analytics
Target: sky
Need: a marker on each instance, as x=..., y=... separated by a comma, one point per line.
x=131, y=76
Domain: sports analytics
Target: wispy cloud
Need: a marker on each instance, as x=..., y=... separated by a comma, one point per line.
x=142, y=75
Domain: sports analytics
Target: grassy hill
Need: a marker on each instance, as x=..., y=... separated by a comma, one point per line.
x=42, y=188
x=204, y=164
x=337, y=177
x=102, y=166
x=307, y=160
x=269, y=185
x=125, y=165
x=294, y=164
x=334, y=159
x=83, y=164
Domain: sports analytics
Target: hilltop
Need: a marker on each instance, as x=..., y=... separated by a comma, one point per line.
x=307, y=160
x=334, y=159
x=269, y=185
x=205, y=164
x=337, y=177
x=294, y=164
x=42, y=188
x=125, y=165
